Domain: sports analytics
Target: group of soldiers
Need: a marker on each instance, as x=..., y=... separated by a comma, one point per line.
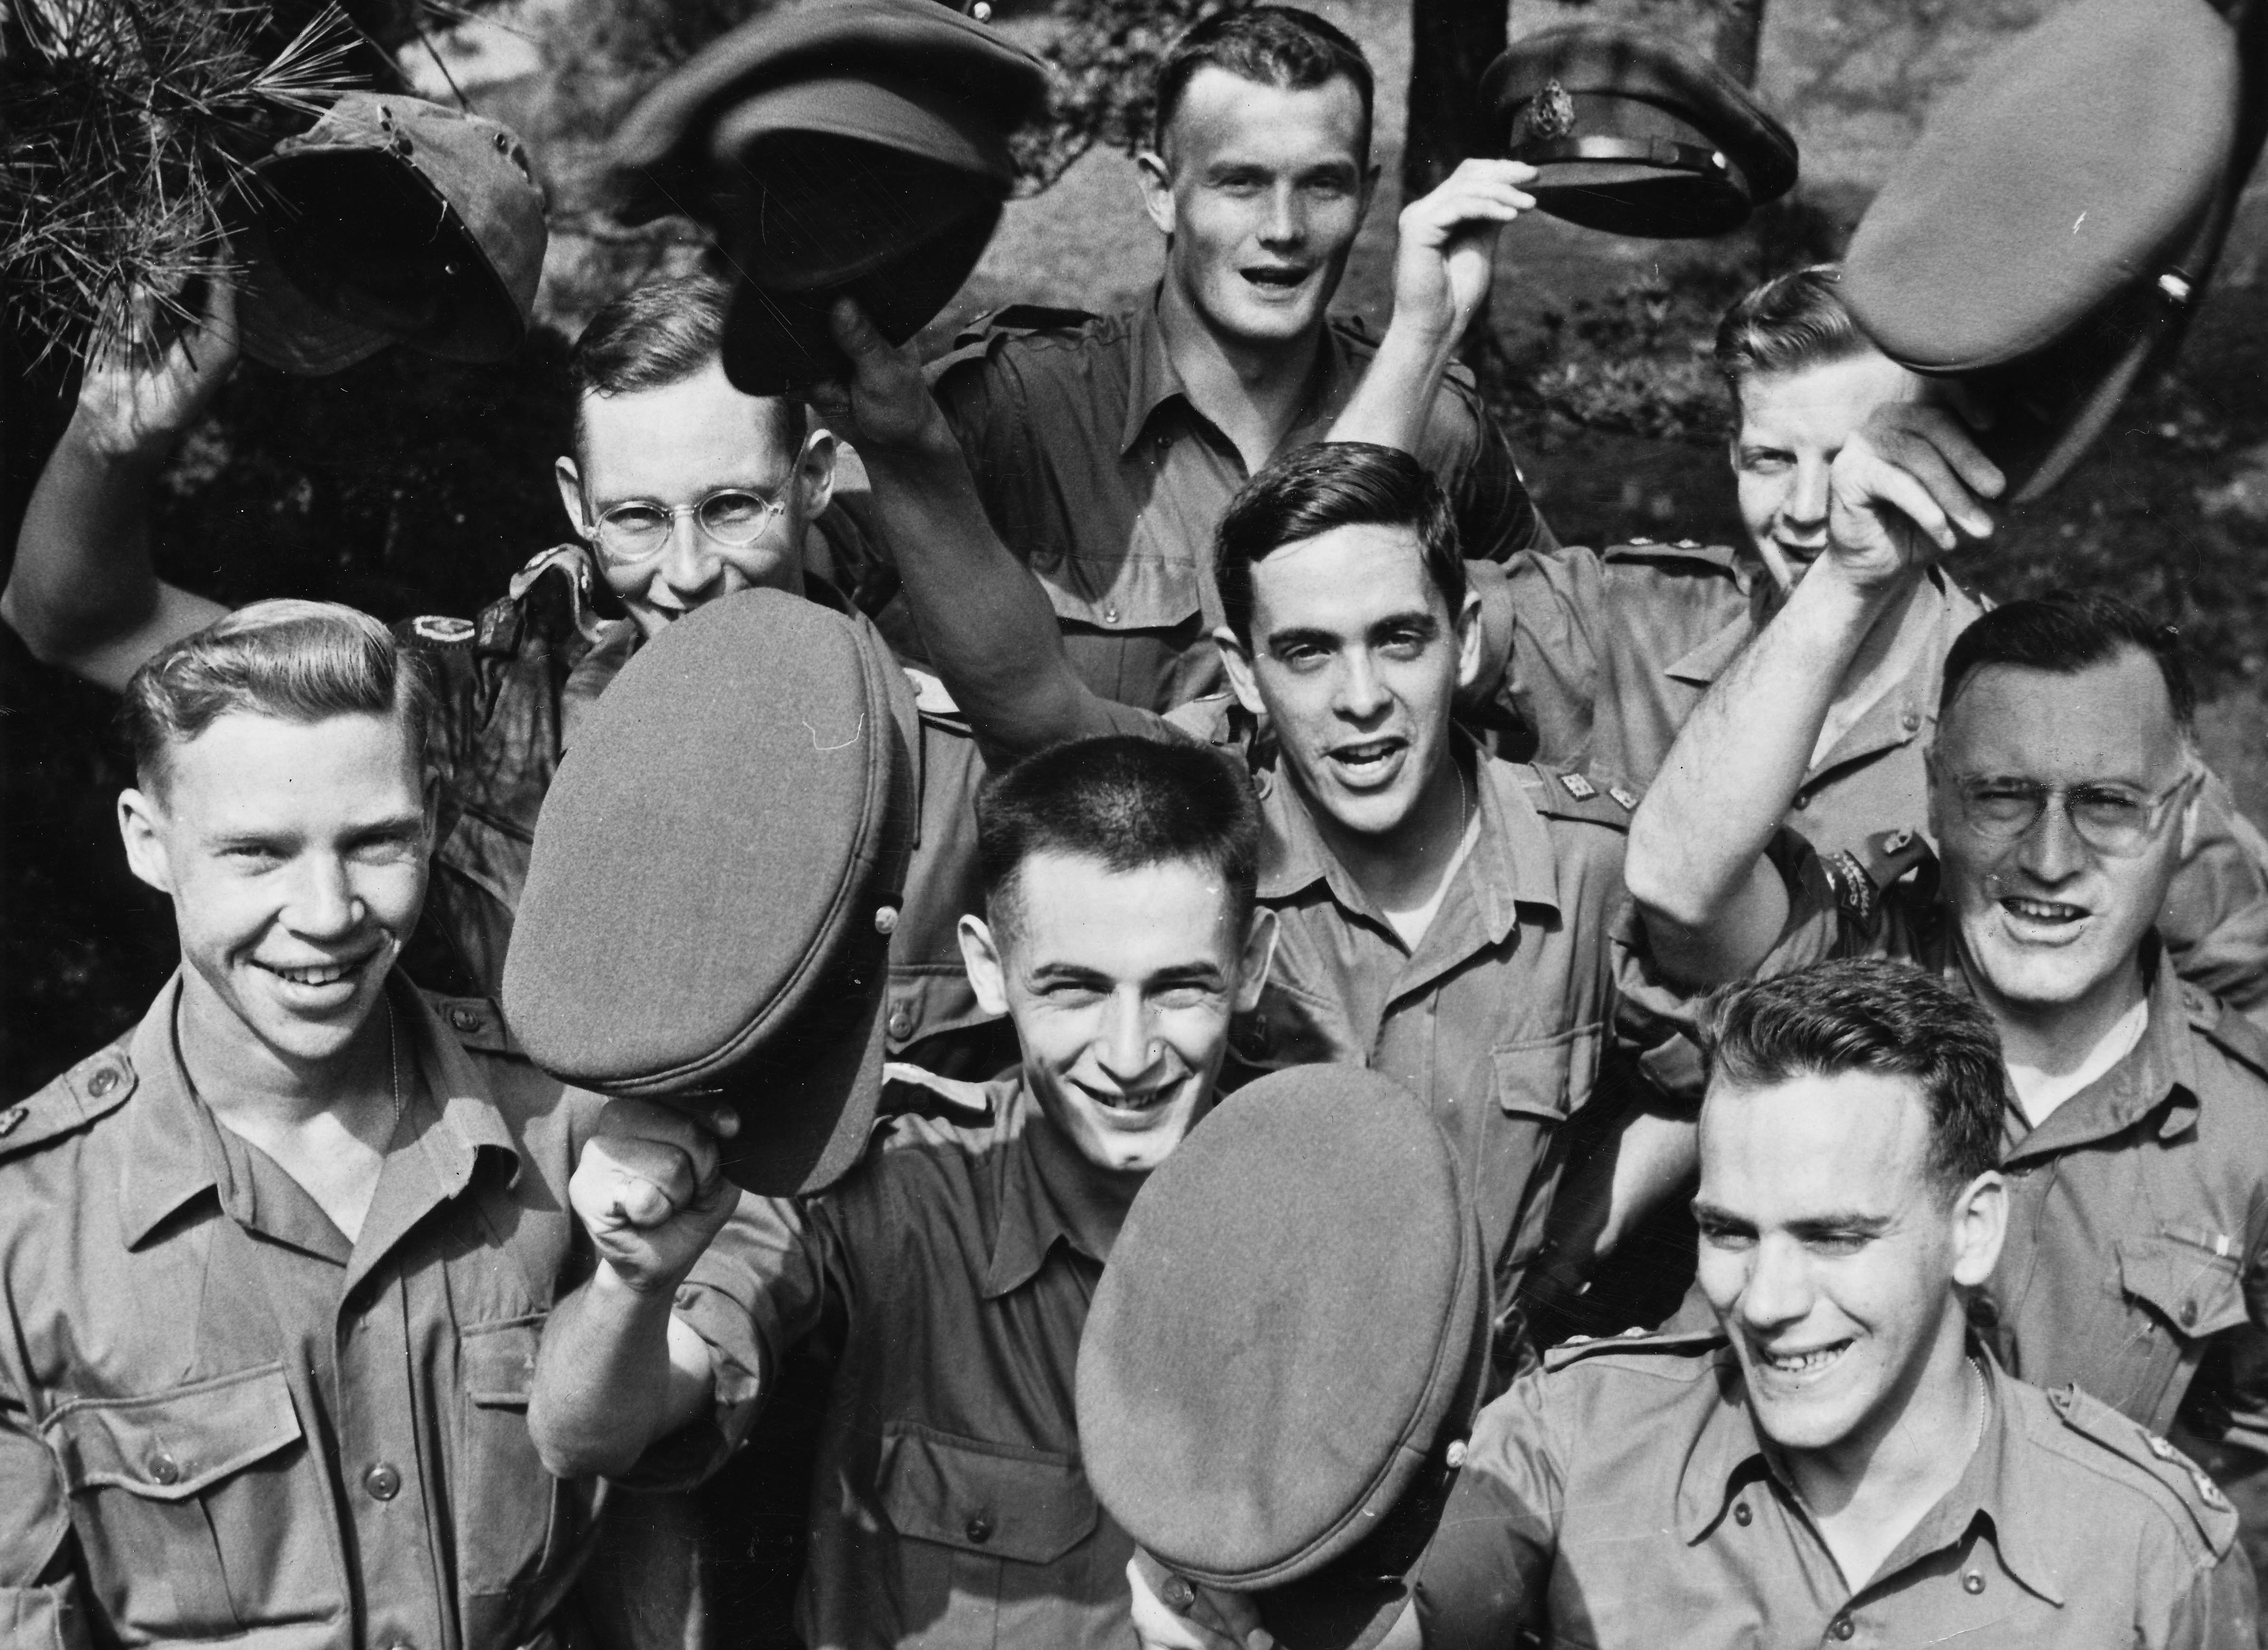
x=1258, y=727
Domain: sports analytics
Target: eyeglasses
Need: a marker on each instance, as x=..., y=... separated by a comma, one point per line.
x=2111, y=819
x=633, y=531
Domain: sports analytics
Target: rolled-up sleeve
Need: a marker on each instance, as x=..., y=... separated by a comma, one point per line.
x=1485, y=1575
x=40, y=1604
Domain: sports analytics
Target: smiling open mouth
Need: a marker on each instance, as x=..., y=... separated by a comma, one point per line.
x=1368, y=758
x=1801, y=1364
x=2048, y=911
x=323, y=974
x=1278, y=279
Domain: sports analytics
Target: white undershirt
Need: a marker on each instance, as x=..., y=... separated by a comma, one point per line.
x=2040, y=1092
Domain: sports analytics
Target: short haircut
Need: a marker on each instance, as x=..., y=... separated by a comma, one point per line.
x=1127, y=802
x=1870, y=1014
x=2065, y=634
x=1270, y=45
x=659, y=332
x=1787, y=323
x=297, y=661
x=1313, y=489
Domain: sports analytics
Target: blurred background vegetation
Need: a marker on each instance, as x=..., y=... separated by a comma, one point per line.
x=407, y=484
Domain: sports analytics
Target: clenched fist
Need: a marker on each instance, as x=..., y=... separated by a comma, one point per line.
x=651, y=1190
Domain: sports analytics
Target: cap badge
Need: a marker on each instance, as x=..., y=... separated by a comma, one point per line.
x=1551, y=114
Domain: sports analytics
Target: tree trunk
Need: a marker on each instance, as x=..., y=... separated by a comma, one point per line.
x=1450, y=42
x=1740, y=32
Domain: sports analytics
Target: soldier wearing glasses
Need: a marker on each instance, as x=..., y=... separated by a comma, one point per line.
x=679, y=489
x=2135, y=1141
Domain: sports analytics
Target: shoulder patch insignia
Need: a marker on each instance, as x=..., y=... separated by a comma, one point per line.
x=445, y=632
x=1854, y=889
x=2208, y=1508
x=1580, y=788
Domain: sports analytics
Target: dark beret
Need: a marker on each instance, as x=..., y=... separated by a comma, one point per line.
x=1634, y=133
x=1287, y=1350
x=836, y=146
x=717, y=869
x=2055, y=220
x=390, y=220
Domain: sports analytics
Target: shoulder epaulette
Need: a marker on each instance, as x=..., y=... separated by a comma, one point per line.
x=2231, y=1032
x=1563, y=794
x=2179, y=1480
x=909, y=1091
x=1020, y=318
x=1682, y=1343
x=479, y=1024
x=97, y=1086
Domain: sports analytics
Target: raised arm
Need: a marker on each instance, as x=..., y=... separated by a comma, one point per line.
x=1444, y=259
x=618, y=1373
x=1901, y=491
x=83, y=593
x=988, y=626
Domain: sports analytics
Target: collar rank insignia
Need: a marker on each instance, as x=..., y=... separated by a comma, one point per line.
x=1580, y=788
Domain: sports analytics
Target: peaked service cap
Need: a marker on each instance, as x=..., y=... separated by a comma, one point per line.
x=391, y=220
x=716, y=873
x=1634, y=133
x=1287, y=1351
x=2055, y=220
x=836, y=146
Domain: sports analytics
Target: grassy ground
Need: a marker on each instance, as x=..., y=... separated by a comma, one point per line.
x=407, y=487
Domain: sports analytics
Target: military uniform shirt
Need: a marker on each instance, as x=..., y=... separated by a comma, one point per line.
x=221, y=1421
x=1100, y=474
x=1622, y=1498
x=944, y=1281
x=515, y=687
x=2138, y=1217
x=1613, y=651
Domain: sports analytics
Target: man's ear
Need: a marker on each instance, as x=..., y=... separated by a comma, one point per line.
x=1251, y=967
x=570, y=479
x=1157, y=180
x=138, y=815
x=1472, y=640
x=988, y=973
x=1980, y=1223
x=1236, y=660
x=814, y=472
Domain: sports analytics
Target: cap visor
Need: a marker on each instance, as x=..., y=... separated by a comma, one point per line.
x=280, y=326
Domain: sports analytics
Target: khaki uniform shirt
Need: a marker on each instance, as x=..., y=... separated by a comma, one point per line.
x=515, y=687
x=1613, y=651
x=1497, y=1021
x=1622, y=1498
x=2138, y=1220
x=944, y=1281
x=221, y=1421
x=1101, y=475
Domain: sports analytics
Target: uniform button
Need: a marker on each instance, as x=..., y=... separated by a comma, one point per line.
x=1741, y=1515
x=1802, y=800
x=1910, y=720
x=383, y=1483
x=2189, y=1315
x=1110, y=615
x=886, y=920
x=1972, y=1583
x=901, y=1023
x=979, y=1528
x=464, y=1019
x=164, y=1469
x=1842, y=1628
x=103, y=1081
x=12, y=1119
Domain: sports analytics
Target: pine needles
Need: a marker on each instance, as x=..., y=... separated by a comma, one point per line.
x=125, y=125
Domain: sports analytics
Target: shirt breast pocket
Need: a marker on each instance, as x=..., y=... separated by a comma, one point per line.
x=511, y=1515
x=2193, y=1286
x=966, y=1506
x=199, y=1511
x=1547, y=1078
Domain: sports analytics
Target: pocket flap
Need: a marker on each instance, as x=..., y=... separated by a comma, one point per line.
x=172, y=1445
x=499, y=1360
x=2195, y=1289
x=1550, y=1078
x=991, y=1498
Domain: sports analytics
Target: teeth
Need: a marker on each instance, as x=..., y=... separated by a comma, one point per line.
x=1804, y=1363
x=327, y=976
x=2046, y=910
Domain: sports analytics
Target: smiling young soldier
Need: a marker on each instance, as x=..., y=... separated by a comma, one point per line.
x=680, y=489
x=274, y=1264
x=2136, y=1138
x=946, y=1277
x=1105, y=450
x=1840, y=1460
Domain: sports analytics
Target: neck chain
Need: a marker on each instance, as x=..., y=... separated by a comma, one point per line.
x=1984, y=1403
x=393, y=1070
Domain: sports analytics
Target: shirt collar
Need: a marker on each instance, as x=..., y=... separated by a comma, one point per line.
x=171, y=1158
x=1034, y=1205
x=2159, y=1071
x=1152, y=378
x=1728, y=1455
x=1511, y=864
